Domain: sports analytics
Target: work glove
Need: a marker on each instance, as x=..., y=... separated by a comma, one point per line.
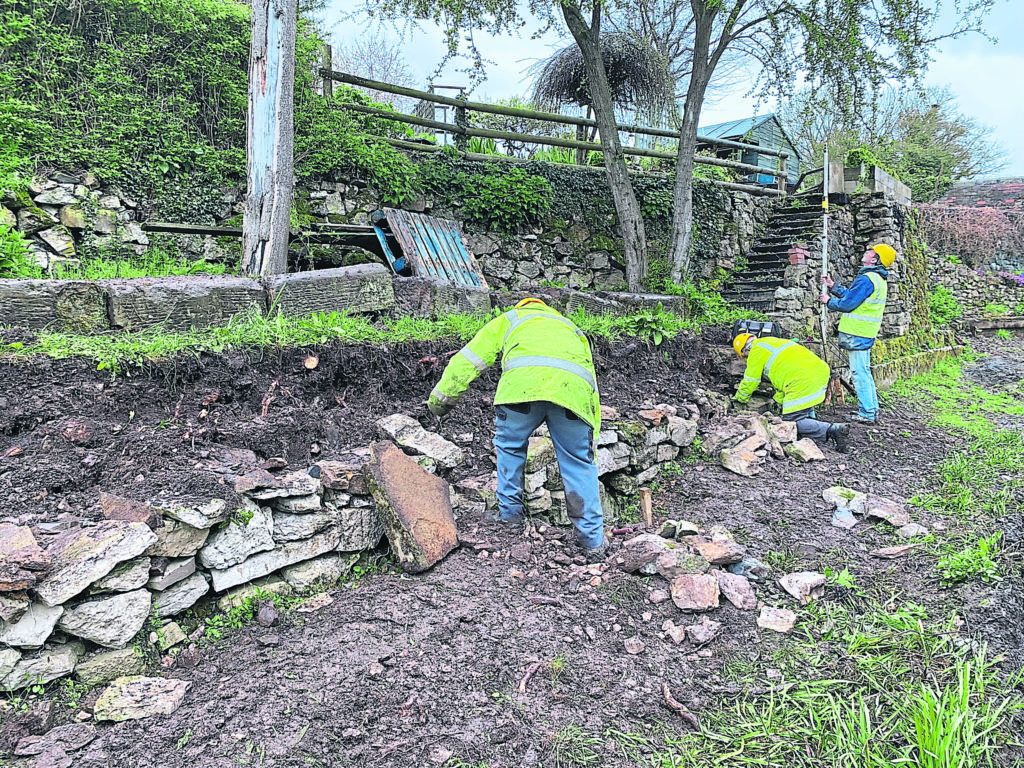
x=438, y=409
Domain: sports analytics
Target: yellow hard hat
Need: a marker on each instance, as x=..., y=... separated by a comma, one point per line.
x=740, y=342
x=530, y=300
x=886, y=254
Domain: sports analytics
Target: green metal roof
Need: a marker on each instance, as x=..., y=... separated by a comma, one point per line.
x=737, y=129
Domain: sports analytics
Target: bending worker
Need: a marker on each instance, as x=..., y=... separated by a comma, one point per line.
x=800, y=379
x=862, y=305
x=547, y=375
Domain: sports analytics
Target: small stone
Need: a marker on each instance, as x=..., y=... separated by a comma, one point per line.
x=695, y=592
x=376, y=669
x=843, y=518
x=804, y=450
x=676, y=634
x=881, y=508
x=634, y=645
x=133, y=698
x=722, y=552
x=269, y=615
x=891, y=553
x=805, y=586
x=658, y=596
x=912, y=530
x=839, y=496
x=776, y=619
x=742, y=462
x=750, y=568
x=703, y=632
x=680, y=561
x=737, y=590
x=642, y=552
x=169, y=636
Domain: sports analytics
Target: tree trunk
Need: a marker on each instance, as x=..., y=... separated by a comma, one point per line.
x=270, y=134
x=682, y=198
x=634, y=236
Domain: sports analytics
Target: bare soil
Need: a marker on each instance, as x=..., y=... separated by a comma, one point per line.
x=414, y=671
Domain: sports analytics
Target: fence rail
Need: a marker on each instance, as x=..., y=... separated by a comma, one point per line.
x=461, y=130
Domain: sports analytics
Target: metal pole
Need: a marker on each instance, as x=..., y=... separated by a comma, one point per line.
x=824, y=259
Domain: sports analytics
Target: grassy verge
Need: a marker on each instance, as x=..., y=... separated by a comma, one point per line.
x=252, y=329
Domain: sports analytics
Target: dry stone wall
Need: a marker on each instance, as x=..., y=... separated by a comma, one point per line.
x=976, y=290
x=74, y=599
x=66, y=216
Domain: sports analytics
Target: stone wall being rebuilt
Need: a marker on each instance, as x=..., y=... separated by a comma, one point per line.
x=65, y=215
x=77, y=603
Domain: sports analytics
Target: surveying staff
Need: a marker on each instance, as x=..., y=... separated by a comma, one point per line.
x=862, y=305
x=800, y=379
x=547, y=375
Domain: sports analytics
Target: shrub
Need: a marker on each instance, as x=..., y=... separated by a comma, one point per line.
x=996, y=310
x=943, y=307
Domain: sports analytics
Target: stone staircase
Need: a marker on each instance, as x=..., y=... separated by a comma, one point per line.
x=795, y=224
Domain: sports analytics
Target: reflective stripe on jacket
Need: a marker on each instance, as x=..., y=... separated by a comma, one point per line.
x=866, y=319
x=544, y=357
x=799, y=376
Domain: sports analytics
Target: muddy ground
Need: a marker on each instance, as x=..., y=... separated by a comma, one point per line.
x=424, y=670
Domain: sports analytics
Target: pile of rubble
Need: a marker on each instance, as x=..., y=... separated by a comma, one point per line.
x=741, y=443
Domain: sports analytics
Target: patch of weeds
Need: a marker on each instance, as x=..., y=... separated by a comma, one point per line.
x=784, y=562
x=973, y=562
x=70, y=692
x=559, y=667
x=671, y=469
x=630, y=513
x=572, y=747
x=627, y=592
x=184, y=739
x=1004, y=334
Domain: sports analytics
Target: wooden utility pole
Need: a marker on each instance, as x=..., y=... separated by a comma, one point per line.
x=270, y=135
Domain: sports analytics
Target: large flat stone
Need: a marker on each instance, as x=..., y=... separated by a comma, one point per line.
x=104, y=667
x=360, y=288
x=9, y=659
x=179, y=303
x=108, y=621
x=197, y=513
x=236, y=541
x=180, y=596
x=43, y=666
x=292, y=527
x=21, y=558
x=327, y=569
x=177, y=539
x=408, y=433
x=34, y=627
x=67, y=305
x=720, y=552
x=129, y=575
x=82, y=556
x=13, y=606
x=133, y=698
x=116, y=507
x=427, y=297
x=262, y=485
x=166, y=573
x=266, y=563
x=414, y=506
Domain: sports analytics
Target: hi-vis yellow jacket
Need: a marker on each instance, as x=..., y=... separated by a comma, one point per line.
x=799, y=376
x=544, y=356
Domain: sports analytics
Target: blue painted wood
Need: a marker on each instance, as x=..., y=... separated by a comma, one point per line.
x=433, y=247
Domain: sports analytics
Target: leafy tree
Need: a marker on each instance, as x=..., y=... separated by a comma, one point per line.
x=917, y=135
x=849, y=48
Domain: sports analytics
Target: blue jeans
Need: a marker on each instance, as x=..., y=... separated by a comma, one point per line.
x=574, y=446
x=867, y=396
x=807, y=425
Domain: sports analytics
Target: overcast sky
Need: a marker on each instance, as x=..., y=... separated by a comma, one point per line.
x=985, y=77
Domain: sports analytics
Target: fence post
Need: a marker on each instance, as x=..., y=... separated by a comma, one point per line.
x=327, y=62
x=462, y=121
x=581, y=135
x=783, y=172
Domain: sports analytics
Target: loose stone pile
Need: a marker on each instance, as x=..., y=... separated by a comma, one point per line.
x=744, y=441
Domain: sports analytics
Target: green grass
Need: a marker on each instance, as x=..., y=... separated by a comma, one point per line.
x=573, y=747
x=253, y=329
x=972, y=562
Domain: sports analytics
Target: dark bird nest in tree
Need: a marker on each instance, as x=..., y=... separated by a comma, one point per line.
x=637, y=73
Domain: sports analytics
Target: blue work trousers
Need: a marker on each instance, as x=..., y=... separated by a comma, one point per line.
x=574, y=447
x=864, y=383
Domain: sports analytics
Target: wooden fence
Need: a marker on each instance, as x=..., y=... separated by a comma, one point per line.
x=461, y=130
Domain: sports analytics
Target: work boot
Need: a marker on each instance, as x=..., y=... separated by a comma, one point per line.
x=862, y=419
x=839, y=435
x=595, y=554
